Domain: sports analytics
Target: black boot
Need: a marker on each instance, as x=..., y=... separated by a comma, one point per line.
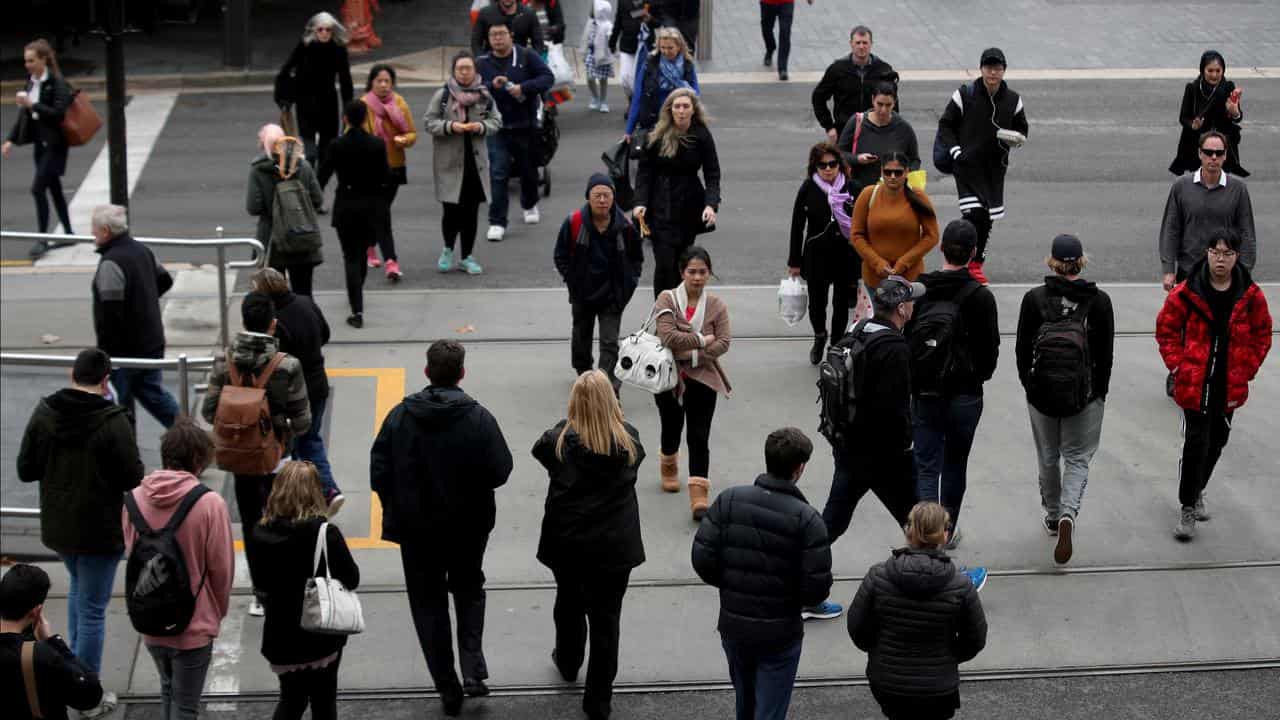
x=819, y=345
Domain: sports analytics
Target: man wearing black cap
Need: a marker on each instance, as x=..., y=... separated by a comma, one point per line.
x=1066, y=334
x=599, y=257
x=982, y=121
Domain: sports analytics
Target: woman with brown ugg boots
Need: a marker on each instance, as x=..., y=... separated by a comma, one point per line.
x=697, y=332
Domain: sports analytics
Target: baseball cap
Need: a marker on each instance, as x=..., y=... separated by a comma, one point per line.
x=895, y=290
x=992, y=56
x=1067, y=248
x=960, y=232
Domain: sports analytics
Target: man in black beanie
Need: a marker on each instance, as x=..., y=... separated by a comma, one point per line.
x=599, y=257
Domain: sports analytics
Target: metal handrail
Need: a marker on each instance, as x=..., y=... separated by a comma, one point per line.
x=20, y=512
x=183, y=364
x=219, y=244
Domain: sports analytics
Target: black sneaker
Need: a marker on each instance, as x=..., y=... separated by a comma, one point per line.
x=452, y=702
x=569, y=676
x=474, y=687
x=1066, y=528
x=783, y=76
x=1051, y=525
x=819, y=345
x=38, y=250
x=356, y=320
x=768, y=58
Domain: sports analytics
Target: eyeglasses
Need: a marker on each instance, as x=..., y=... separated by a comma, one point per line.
x=1213, y=153
x=890, y=172
x=830, y=165
x=1222, y=254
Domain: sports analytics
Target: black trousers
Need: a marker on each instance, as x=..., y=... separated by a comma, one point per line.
x=589, y=604
x=890, y=475
x=460, y=220
x=782, y=14
x=317, y=688
x=386, y=238
x=318, y=126
x=1206, y=436
x=669, y=242
x=981, y=220
x=299, y=277
x=251, y=500
x=50, y=162
x=584, y=322
x=822, y=276
x=356, y=241
x=432, y=573
x=696, y=408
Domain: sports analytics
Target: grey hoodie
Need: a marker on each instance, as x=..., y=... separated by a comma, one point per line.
x=897, y=135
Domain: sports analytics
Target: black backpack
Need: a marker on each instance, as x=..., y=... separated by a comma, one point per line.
x=157, y=585
x=840, y=379
x=936, y=340
x=1060, y=382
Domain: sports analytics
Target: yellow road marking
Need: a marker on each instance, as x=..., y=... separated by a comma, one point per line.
x=15, y=263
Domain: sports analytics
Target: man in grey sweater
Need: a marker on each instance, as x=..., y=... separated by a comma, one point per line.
x=1199, y=204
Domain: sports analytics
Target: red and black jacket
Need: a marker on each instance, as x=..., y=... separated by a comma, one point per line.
x=1185, y=331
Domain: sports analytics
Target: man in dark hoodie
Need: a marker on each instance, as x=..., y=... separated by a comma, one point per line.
x=80, y=447
x=766, y=549
x=598, y=255
x=955, y=342
x=1066, y=374
x=849, y=81
x=435, y=465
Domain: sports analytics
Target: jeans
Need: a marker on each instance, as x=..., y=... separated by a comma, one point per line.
x=890, y=475
x=251, y=499
x=590, y=599
x=310, y=446
x=147, y=387
x=584, y=322
x=87, y=600
x=783, y=15
x=1206, y=435
x=698, y=406
x=431, y=573
x=762, y=683
x=944, y=430
x=182, y=674
x=508, y=148
x=1064, y=447
x=317, y=688
x=355, y=241
x=49, y=179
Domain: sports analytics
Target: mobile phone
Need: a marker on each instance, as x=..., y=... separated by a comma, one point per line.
x=1235, y=95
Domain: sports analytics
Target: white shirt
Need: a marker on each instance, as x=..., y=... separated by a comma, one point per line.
x=1222, y=179
x=34, y=93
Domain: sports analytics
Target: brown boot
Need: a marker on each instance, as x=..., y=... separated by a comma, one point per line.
x=669, y=467
x=699, y=489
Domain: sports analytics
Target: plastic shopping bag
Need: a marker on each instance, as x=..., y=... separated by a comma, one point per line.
x=559, y=65
x=793, y=300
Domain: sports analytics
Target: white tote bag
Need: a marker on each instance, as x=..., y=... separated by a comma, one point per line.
x=793, y=300
x=559, y=65
x=328, y=607
x=644, y=362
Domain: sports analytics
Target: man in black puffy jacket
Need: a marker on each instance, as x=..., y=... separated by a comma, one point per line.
x=766, y=549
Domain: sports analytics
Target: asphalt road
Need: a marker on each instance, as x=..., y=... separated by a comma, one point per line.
x=1095, y=165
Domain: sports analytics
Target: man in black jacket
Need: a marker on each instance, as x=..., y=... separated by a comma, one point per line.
x=434, y=465
x=946, y=382
x=80, y=447
x=525, y=28
x=598, y=255
x=850, y=80
x=126, y=312
x=61, y=680
x=766, y=549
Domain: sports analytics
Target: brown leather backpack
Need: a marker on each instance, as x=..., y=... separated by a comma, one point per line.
x=245, y=441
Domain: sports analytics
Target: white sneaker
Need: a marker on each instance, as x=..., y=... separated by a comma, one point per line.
x=335, y=504
x=604, y=107
x=594, y=104
x=106, y=707
x=496, y=232
x=255, y=608
x=532, y=216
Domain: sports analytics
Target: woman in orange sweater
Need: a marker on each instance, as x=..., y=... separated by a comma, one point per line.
x=893, y=225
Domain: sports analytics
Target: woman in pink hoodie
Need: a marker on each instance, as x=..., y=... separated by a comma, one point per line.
x=205, y=537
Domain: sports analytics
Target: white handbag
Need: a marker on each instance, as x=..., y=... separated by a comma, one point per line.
x=328, y=607
x=644, y=362
x=793, y=300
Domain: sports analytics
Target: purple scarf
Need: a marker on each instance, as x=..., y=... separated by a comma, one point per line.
x=836, y=197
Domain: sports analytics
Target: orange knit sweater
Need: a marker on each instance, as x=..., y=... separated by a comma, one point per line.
x=890, y=232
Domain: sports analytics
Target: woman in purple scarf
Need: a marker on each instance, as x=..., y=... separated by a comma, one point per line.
x=820, y=249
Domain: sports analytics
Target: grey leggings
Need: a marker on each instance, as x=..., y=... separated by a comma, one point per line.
x=181, y=679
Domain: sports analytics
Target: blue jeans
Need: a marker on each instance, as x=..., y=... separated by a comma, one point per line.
x=91, y=580
x=311, y=447
x=1064, y=448
x=182, y=674
x=762, y=683
x=147, y=387
x=944, y=430
x=508, y=148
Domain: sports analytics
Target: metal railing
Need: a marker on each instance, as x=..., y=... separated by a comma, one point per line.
x=183, y=364
x=218, y=244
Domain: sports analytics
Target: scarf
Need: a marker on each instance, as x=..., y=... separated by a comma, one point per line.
x=461, y=98
x=681, y=295
x=836, y=198
x=388, y=121
x=671, y=74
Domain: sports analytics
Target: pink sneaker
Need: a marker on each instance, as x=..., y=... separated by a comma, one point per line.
x=373, y=258
x=393, y=271
x=975, y=271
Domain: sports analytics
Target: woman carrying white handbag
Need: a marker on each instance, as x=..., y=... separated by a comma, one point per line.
x=694, y=325
x=306, y=662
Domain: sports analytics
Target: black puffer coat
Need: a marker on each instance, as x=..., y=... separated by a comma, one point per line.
x=917, y=619
x=669, y=186
x=766, y=549
x=592, y=519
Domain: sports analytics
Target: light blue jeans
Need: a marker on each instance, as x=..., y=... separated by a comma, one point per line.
x=1064, y=448
x=91, y=579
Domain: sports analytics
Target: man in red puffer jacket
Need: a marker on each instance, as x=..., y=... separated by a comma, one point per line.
x=1214, y=332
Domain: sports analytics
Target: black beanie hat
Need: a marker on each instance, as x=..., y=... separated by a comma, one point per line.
x=598, y=179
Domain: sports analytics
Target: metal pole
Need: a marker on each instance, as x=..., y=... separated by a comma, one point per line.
x=703, y=49
x=184, y=385
x=224, y=335
x=116, y=139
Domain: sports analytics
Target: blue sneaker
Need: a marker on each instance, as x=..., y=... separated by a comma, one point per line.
x=977, y=576
x=822, y=611
x=471, y=266
x=445, y=263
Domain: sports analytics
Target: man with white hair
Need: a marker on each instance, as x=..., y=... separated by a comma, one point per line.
x=126, y=312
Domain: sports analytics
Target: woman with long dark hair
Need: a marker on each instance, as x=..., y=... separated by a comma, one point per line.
x=1210, y=102
x=894, y=227
x=820, y=250
x=390, y=119
x=307, y=82
x=42, y=105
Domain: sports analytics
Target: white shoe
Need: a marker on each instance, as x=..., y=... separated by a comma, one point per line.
x=496, y=233
x=255, y=608
x=335, y=504
x=532, y=216
x=604, y=107
x=594, y=104
x=106, y=707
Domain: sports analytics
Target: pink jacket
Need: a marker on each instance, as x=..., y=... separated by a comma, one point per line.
x=205, y=537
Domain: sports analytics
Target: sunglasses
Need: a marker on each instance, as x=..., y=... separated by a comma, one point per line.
x=830, y=165
x=1213, y=153
x=889, y=172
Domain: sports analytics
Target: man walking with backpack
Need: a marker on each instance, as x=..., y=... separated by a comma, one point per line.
x=255, y=386
x=955, y=342
x=1066, y=334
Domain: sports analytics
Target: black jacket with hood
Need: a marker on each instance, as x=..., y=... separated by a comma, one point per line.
x=435, y=464
x=883, y=422
x=850, y=89
x=592, y=519
x=917, y=619
x=979, y=327
x=600, y=269
x=1100, y=325
x=80, y=447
